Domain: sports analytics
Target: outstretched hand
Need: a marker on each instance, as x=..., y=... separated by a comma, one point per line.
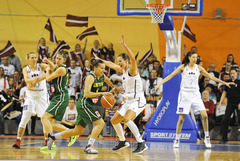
x=230, y=83
x=123, y=41
x=96, y=57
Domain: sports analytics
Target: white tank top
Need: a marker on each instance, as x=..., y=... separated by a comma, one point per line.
x=132, y=84
x=190, y=79
x=41, y=87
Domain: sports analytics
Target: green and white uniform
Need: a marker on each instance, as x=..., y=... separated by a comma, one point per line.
x=60, y=99
x=85, y=106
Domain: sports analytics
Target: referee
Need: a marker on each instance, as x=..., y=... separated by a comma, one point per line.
x=233, y=96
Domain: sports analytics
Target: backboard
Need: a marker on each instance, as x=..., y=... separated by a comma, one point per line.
x=176, y=7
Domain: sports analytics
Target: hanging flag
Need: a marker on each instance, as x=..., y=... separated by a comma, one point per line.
x=76, y=21
x=188, y=33
x=136, y=56
x=62, y=45
x=147, y=55
x=88, y=32
x=48, y=26
x=8, y=50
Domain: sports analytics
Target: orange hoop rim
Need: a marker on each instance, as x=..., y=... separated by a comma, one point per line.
x=157, y=5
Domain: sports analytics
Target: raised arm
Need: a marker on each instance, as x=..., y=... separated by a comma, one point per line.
x=51, y=65
x=110, y=64
x=178, y=70
x=206, y=74
x=133, y=67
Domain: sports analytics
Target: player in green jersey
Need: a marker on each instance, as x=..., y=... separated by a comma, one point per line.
x=85, y=107
x=58, y=75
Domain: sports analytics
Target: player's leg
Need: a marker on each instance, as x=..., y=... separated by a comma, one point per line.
x=205, y=128
x=178, y=130
x=128, y=119
x=46, y=120
x=21, y=129
x=115, y=120
x=99, y=124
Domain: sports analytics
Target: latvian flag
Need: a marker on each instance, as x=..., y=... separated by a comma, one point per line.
x=62, y=45
x=88, y=32
x=76, y=21
x=48, y=26
x=147, y=55
x=8, y=50
x=188, y=33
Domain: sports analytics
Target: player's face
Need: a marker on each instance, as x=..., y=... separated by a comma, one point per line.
x=59, y=60
x=100, y=69
x=233, y=74
x=193, y=58
x=121, y=62
x=32, y=59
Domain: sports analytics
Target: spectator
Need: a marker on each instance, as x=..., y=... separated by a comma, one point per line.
x=213, y=72
x=85, y=71
x=42, y=50
x=144, y=69
x=163, y=61
x=3, y=81
x=230, y=59
x=12, y=87
x=96, y=50
x=80, y=54
x=151, y=59
x=212, y=94
x=157, y=66
x=9, y=69
x=75, y=76
x=150, y=91
x=70, y=115
x=109, y=56
x=17, y=78
x=203, y=85
x=14, y=60
x=109, y=114
x=71, y=56
x=233, y=97
x=4, y=100
x=209, y=105
x=226, y=71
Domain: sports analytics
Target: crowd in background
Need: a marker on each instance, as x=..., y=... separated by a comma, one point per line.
x=13, y=87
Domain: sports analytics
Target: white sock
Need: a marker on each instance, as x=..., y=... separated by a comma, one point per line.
x=119, y=130
x=91, y=141
x=19, y=138
x=177, y=136
x=134, y=129
x=206, y=133
x=58, y=135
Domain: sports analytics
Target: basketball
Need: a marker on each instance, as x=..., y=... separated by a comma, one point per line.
x=108, y=100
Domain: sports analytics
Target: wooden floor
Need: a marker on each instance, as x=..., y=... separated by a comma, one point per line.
x=30, y=149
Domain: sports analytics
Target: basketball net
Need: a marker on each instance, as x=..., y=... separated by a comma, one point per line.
x=157, y=12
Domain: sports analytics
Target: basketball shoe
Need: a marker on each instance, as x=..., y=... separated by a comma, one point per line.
x=73, y=139
x=207, y=142
x=46, y=147
x=90, y=149
x=51, y=139
x=121, y=145
x=17, y=144
x=141, y=147
x=176, y=143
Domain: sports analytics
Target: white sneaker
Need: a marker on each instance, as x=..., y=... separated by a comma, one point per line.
x=90, y=149
x=176, y=143
x=207, y=142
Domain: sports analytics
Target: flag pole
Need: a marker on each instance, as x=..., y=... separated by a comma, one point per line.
x=100, y=39
x=23, y=64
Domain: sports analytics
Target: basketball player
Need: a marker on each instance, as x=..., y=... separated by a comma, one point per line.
x=85, y=107
x=36, y=101
x=134, y=99
x=58, y=75
x=189, y=95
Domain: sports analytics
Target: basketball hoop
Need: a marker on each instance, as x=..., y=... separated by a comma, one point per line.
x=157, y=12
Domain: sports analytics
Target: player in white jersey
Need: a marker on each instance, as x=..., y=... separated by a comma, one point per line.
x=189, y=95
x=134, y=99
x=36, y=101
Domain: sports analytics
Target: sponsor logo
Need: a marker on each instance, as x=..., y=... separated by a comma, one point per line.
x=162, y=112
x=180, y=109
x=98, y=114
x=167, y=135
x=95, y=100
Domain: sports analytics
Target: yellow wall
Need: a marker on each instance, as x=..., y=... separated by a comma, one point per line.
x=25, y=31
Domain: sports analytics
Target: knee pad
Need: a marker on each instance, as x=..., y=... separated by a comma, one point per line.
x=25, y=119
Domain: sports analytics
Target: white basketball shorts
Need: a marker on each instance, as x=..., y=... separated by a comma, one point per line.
x=187, y=100
x=137, y=105
x=36, y=105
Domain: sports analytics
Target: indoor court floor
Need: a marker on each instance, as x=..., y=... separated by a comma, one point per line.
x=30, y=150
